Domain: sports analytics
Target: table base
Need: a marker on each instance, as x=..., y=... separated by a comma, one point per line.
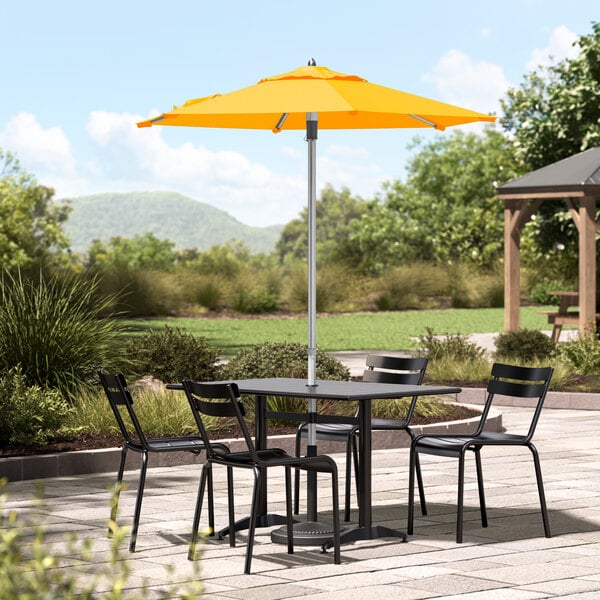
x=358, y=534
x=306, y=533
x=267, y=520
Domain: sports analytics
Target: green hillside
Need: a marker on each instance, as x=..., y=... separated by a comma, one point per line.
x=167, y=215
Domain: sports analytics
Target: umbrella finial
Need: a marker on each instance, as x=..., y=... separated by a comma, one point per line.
x=312, y=62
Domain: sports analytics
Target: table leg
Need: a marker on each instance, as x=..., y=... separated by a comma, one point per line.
x=365, y=529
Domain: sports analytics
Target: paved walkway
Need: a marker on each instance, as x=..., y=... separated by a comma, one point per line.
x=509, y=559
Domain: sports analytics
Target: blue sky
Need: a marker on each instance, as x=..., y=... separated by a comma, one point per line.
x=77, y=76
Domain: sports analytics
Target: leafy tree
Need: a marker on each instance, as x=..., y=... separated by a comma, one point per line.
x=553, y=115
x=447, y=210
x=140, y=252
x=556, y=111
x=335, y=211
x=30, y=224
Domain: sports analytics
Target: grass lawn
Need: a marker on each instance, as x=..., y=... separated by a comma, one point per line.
x=353, y=331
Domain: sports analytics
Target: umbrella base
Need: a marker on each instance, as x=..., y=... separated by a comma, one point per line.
x=306, y=533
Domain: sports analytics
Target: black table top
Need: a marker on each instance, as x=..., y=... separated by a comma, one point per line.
x=334, y=390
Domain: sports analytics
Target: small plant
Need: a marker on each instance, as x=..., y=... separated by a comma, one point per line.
x=171, y=355
x=456, y=347
x=583, y=353
x=525, y=345
x=32, y=568
x=58, y=330
x=30, y=414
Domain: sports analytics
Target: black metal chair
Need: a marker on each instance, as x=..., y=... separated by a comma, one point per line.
x=221, y=400
x=396, y=369
x=507, y=380
x=121, y=402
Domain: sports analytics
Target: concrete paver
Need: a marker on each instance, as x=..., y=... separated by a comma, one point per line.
x=509, y=559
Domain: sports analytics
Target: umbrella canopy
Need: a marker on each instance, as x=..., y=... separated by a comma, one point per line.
x=341, y=101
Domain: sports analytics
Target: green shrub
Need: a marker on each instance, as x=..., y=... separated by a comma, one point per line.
x=58, y=330
x=409, y=286
x=172, y=355
x=283, y=359
x=540, y=291
x=582, y=353
x=142, y=292
x=455, y=347
x=332, y=288
x=206, y=290
x=470, y=288
x=524, y=345
x=30, y=414
x=254, y=301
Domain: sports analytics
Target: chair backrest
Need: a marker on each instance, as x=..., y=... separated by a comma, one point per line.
x=518, y=382
x=120, y=399
x=221, y=401
x=396, y=369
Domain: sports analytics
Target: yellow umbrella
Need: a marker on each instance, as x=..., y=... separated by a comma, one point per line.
x=342, y=102
x=308, y=98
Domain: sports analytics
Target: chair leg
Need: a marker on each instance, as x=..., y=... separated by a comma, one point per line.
x=411, y=490
x=420, y=486
x=288, y=510
x=482, y=507
x=460, y=499
x=118, y=487
x=206, y=474
x=211, y=502
x=336, y=519
x=540, y=485
x=349, y=457
x=252, y=522
x=297, y=477
x=138, y=502
x=231, y=507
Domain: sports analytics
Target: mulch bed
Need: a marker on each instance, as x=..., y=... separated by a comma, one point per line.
x=95, y=441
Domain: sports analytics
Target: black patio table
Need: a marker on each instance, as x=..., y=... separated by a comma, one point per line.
x=363, y=392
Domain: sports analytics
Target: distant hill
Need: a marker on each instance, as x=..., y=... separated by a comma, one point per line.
x=167, y=215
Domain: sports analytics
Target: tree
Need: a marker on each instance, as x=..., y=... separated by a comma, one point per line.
x=140, y=252
x=335, y=211
x=447, y=210
x=556, y=111
x=553, y=115
x=30, y=224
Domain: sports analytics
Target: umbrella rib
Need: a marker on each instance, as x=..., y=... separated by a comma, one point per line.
x=423, y=120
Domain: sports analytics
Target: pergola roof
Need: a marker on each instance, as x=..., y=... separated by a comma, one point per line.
x=574, y=176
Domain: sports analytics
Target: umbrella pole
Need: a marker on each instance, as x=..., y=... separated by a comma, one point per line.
x=311, y=450
x=310, y=532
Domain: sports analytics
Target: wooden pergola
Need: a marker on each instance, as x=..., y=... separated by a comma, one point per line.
x=576, y=180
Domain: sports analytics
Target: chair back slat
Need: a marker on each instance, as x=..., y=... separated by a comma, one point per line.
x=396, y=363
x=518, y=390
x=217, y=400
x=389, y=377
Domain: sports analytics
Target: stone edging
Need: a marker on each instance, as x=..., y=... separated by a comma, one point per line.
x=20, y=468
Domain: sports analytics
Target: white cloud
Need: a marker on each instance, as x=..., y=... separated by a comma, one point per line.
x=38, y=148
x=132, y=158
x=460, y=80
x=560, y=46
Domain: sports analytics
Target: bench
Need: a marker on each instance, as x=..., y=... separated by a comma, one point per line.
x=562, y=316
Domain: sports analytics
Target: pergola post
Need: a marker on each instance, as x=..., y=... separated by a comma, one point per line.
x=512, y=264
x=587, y=264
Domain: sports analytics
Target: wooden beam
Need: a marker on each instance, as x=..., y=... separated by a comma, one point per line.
x=512, y=263
x=587, y=264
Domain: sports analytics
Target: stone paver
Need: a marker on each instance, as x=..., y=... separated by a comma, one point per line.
x=509, y=559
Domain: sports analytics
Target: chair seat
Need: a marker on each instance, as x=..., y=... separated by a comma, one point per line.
x=453, y=445
x=332, y=432
x=388, y=424
x=193, y=444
